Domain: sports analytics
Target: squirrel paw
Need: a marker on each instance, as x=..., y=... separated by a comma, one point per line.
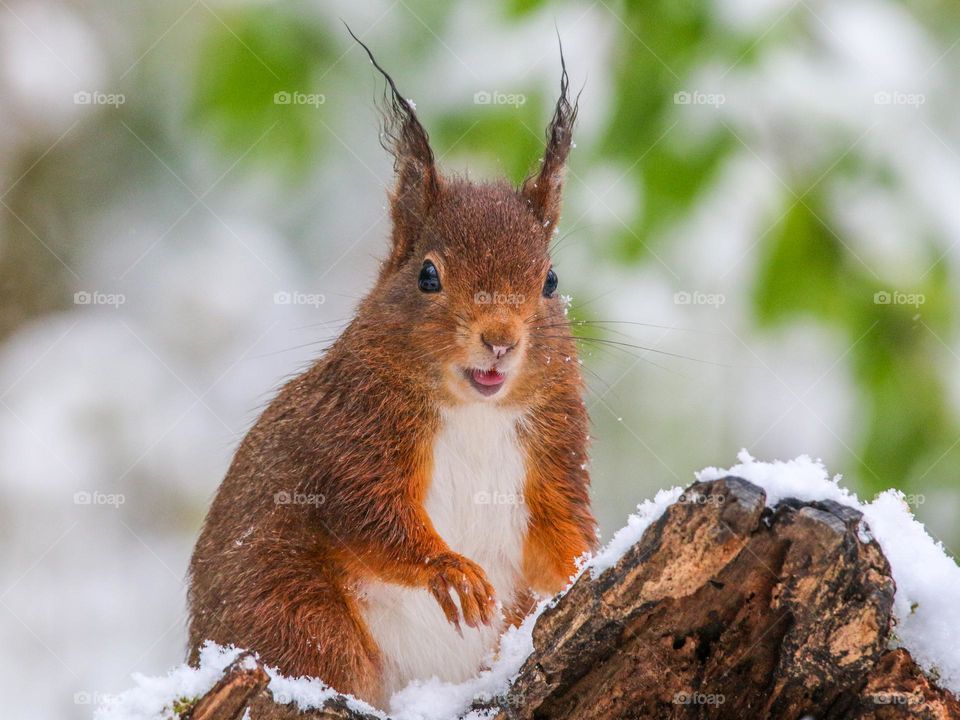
x=467, y=579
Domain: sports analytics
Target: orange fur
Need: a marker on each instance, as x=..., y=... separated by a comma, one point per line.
x=327, y=489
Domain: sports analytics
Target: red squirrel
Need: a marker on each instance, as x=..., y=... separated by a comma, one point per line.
x=428, y=472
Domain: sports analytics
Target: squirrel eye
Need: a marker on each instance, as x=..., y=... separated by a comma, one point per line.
x=429, y=280
x=550, y=285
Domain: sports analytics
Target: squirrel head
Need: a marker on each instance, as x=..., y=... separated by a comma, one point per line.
x=468, y=299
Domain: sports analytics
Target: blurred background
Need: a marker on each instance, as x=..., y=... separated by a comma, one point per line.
x=762, y=212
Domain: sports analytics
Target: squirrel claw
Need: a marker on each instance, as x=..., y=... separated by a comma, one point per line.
x=441, y=593
x=474, y=591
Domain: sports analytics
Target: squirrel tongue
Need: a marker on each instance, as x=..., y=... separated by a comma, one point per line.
x=488, y=377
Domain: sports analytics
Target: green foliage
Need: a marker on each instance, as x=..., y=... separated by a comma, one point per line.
x=182, y=706
x=519, y=8
x=513, y=135
x=653, y=61
x=802, y=270
x=806, y=269
x=246, y=65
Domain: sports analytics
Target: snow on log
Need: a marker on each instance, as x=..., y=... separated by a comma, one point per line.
x=722, y=607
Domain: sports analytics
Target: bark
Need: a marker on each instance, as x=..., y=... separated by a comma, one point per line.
x=232, y=694
x=724, y=609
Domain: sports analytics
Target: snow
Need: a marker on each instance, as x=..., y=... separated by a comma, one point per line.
x=307, y=693
x=926, y=606
x=648, y=512
x=927, y=601
x=436, y=700
x=153, y=696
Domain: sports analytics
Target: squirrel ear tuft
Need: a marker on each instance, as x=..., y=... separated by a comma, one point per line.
x=417, y=186
x=543, y=190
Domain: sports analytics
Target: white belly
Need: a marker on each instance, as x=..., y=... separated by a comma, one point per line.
x=475, y=502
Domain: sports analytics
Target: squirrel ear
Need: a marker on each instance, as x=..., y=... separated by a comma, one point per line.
x=542, y=190
x=417, y=186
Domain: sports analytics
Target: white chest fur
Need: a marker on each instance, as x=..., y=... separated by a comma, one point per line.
x=475, y=502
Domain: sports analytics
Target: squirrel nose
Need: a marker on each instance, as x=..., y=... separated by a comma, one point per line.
x=499, y=347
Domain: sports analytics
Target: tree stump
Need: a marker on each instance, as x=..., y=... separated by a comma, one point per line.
x=724, y=609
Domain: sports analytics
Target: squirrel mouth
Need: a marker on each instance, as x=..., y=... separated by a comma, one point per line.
x=486, y=382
